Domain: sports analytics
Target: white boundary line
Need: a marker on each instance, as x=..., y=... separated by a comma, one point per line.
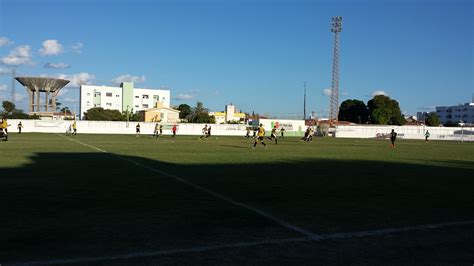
x=279, y=221
x=336, y=236
x=309, y=237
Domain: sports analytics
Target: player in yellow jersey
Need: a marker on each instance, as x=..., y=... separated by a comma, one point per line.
x=273, y=135
x=74, y=128
x=4, y=126
x=260, y=136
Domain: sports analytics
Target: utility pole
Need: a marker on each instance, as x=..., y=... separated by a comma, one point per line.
x=304, y=103
x=13, y=86
x=336, y=27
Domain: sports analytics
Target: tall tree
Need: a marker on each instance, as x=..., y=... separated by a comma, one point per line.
x=65, y=110
x=185, y=111
x=101, y=114
x=353, y=111
x=433, y=120
x=385, y=111
x=8, y=106
x=200, y=114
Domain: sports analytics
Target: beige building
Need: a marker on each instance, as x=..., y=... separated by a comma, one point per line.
x=160, y=114
x=229, y=115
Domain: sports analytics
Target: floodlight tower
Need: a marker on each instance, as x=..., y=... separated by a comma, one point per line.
x=304, y=102
x=336, y=27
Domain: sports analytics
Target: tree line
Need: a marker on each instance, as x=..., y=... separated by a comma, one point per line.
x=381, y=110
x=197, y=114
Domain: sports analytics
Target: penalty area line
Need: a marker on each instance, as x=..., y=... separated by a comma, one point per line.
x=336, y=236
x=270, y=217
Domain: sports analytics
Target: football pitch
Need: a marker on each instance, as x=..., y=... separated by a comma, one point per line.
x=119, y=200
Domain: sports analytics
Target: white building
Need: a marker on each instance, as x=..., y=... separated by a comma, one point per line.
x=458, y=113
x=122, y=98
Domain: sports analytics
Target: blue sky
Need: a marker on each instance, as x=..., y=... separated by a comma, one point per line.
x=255, y=54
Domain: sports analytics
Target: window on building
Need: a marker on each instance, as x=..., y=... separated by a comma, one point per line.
x=156, y=97
x=144, y=96
x=108, y=94
x=137, y=96
x=116, y=95
x=144, y=105
x=97, y=105
x=96, y=94
x=88, y=94
x=108, y=104
x=136, y=106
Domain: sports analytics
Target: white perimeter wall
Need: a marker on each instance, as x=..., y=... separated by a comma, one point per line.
x=110, y=127
x=407, y=132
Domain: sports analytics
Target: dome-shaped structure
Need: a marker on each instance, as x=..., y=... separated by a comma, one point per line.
x=35, y=85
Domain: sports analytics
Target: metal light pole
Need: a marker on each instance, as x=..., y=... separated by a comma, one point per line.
x=336, y=27
x=462, y=130
x=304, y=104
x=128, y=118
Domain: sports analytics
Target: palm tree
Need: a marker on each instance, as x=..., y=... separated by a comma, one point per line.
x=199, y=113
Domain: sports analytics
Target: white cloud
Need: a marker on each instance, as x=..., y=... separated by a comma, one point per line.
x=59, y=65
x=21, y=55
x=127, y=78
x=327, y=92
x=3, y=87
x=5, y=41
x=76, y=80
x=51, y=47
x=5, y=71
x=379, y=92
x=184, y=96
x=76, y=48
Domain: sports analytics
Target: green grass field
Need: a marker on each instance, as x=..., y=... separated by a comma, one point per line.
x=104, y=195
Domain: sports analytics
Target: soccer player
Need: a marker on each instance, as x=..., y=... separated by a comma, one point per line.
x=161, y=130
x=20, y=126
x=247, y=136
x=260, y=136
x=273, y=135
x=427, y=135
x=306, y=134
x=155, y=131
x=309, y=138
x=204, y=132
x=393, y=137
x=282, y=132
x=174, y=131
x=137, y=130
x=208, y=132
x=74, y=128
x=4, y=127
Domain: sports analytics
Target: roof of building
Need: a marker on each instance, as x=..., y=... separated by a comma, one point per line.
x=160, y=108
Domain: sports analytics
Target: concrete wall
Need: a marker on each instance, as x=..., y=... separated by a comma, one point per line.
x=407, y=132
x=110, y=127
